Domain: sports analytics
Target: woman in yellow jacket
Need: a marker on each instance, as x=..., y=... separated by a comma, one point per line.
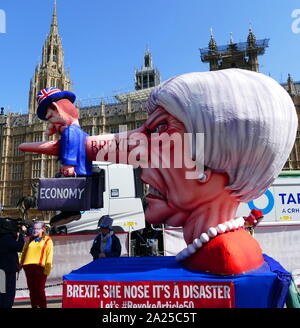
x=36, y=259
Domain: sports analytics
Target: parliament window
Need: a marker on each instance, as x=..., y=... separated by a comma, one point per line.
x=138, y=124
x=54, y=55
x=38, y=137
x=17, y=141
x=17, y=172
x=3, y=146
x=89, y=130
x=15, y=196
x=1, y=171
x=114, y=129
x=36, y=169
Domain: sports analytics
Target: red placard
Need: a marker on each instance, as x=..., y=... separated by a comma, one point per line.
x=148, y=294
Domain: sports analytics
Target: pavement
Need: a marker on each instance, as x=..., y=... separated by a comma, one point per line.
x=51, y=303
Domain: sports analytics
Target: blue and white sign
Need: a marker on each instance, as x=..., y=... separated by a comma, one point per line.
x=270, y=203
x=281, y=202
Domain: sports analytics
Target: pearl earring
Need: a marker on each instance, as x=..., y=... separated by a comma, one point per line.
x=202, y=177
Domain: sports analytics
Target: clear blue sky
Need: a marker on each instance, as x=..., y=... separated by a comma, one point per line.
x=104, y=40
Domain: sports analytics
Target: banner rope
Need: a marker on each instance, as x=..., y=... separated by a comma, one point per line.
x=47, y=286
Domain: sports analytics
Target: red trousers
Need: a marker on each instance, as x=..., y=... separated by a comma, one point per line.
x=36, y=281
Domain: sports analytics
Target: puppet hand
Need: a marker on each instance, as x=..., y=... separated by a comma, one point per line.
x=67, y=170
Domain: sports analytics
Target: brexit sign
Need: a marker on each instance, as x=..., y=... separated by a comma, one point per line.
x=149, y=294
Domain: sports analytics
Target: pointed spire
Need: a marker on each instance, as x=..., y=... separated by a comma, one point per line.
x=54, y=17
x=54, y=24
x=212, y=42
x=291, y=86
x=52, y=62
x=251, y=40
x=147, y=58
x=231, y=38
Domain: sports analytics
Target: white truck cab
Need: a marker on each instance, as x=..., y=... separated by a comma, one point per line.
x=121, y=201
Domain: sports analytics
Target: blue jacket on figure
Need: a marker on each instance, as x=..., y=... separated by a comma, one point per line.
x=72, y=150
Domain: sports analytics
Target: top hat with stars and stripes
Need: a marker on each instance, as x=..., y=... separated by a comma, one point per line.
x=47, y=96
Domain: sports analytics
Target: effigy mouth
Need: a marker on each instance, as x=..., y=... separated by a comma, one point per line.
x=155, y=193
x=157, y=187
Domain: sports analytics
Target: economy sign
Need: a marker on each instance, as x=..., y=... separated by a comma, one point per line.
x=64, y=194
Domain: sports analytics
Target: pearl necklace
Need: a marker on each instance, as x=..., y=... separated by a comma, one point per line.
x=204, y=238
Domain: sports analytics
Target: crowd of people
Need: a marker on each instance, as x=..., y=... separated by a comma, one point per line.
x=32, y=251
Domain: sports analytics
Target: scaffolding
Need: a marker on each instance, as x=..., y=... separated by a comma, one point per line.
x=234, y=49
x=139, y=95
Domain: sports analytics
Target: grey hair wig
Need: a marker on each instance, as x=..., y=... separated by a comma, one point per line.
x=249, y=123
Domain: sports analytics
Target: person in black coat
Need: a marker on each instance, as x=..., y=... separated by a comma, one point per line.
x=106, y=244
x=10, y=245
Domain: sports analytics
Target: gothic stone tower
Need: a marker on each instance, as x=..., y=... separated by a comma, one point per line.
x=148, y=76
x=239, y=55
x=51, y=72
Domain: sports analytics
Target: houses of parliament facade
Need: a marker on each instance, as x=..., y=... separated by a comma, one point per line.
x=18, y=170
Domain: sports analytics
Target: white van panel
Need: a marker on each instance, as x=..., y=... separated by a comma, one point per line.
x=121, y=181
x=127, y=213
